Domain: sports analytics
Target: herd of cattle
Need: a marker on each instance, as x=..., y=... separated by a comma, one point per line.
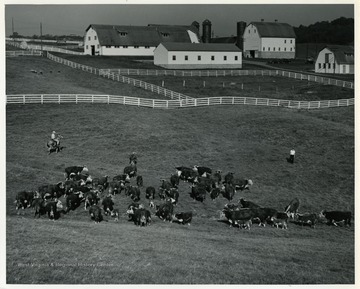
x=97, y=195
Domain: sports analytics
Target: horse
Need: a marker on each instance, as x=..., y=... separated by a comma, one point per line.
x=53, y=147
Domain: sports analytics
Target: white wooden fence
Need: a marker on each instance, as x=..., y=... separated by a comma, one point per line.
x=23, y=53
x=44, y=48
x=171, y=104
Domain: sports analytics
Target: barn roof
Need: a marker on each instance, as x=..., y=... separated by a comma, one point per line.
x=274, y=29
x=150, y=35
x=174, y=46
x=344, y=54
x=231, y=39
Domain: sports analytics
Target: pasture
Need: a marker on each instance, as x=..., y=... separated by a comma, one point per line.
x=252, y=142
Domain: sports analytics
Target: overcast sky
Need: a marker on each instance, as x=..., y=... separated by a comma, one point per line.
x=74, y=19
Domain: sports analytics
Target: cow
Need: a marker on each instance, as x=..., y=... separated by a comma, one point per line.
x=228, y=191
x=51, y=210
x=335, y=217
x=183, y=217
x=241, y=217
x=248, y=204
x=72, y=185
x=198, y=192
x=131, y=208
x=101, y=182
x=81, y=177
x=173, y=195
x=241, y=184
x=115, y=213
x=139, y=181
x=174, y=180
x=214, y=193
x=123, y=177
x=73, y=200
x=263, y=214
x=292, y=208
x=202, y=171
x=186, y=174
x=91, y=198
x=76, y=170
x=150, y=193
x=131, y=171
x=108, y=204
x=39, y=206
x=207, y=182
x=164, y=188
x=216, y=178
x=228, y=178
x=133, y=192
x=53, y=191
x=165, y=211
x=133, y=158
x=280, y=219
x=142, y=217
x=95, y=213
x=310, y=219
x=24, y=199
x=116, y=187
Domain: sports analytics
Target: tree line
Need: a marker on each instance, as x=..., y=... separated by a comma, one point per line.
x=339, y=31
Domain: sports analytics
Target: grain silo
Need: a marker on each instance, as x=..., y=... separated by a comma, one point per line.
x=206, y=37
x=240, y=28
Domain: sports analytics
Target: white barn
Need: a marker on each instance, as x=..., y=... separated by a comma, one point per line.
x=335, y=59
x=120, y=40
x=269, y=40
x=172, y=55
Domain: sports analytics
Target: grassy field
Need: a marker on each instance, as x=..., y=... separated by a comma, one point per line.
x=252, y=142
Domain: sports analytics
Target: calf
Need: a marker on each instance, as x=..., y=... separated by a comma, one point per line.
x=310, y=219
x=108, y=205
x=95, y=213
x=292, y=208
x=334, y=217
x=150, y=193
x=280, y=219
x=184, y=217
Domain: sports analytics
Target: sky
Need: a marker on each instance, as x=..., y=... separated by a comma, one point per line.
x=64, y=19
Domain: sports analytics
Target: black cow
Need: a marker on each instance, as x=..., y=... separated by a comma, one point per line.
x=131, y=170
x=215, y=192
x=72, y=185
x=91, y=198
x=202, y=171
x=292, y=208
x=108, y=204
x=173, y=194
x=216, y=178
x=142, y=217
x=101, y=182
x=309, y=219
x=247, y=204
x=174, y=180
x=133, y=192
x=95, y=213
x=81, y=177
x=150, y=192
x=39, y=207
x=52, y=191
x=198, y=192
x=263, y=214
x=116, y=187
x=228, y=178
x=207, y=182
x=24, y=199
x=241, y=184
x=73, y=201
x=131, y=209
x=165, y=211
x=51, y=210
x=334, y=217
x=139, y=181
x=228, y=191
x=122, y=177
x=241, y=217
x=184, y=217
x=280, y=219
x=75, y=169
x=186, y=174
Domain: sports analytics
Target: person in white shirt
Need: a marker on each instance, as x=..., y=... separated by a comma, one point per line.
x=292, y=156
x=55, y=138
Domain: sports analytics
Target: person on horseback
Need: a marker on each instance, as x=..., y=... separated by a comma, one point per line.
x=55, y=138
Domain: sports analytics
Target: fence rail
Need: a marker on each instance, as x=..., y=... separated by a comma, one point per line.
x=23, y=53
x=44, y=48
x=171, y=104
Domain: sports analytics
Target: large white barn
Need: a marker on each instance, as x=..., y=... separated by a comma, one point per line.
x=119, y=40
x=269, y=40
x=172, y=55
x=335, y=59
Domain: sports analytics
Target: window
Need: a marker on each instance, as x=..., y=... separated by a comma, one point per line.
x=165, y=34
x=236, y=57
x=174, y=57
x=284, y=48
x=186, y=58
x=199, y=57
x=117, y=46
x=122, y=33
x=319, y=65
x=249, y=31
x=274, y=49
x=136, y=46
x=95, y=37
x=334, y=65
x=87, y=47
x=254, y=30
x=263, y=48
x=279, y=48
x=98, y=46
x=268, y=48
x=89, y=38
x=147, y=47
x=212, y=57
x=285, y=41
x=324, y=65
x=290, y=40
x=290, y=48
x=329, y=65
x=125, y=46
x=225, y=57
x=108, y=46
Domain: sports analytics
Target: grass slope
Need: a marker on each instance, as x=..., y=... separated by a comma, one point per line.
x=252, y=142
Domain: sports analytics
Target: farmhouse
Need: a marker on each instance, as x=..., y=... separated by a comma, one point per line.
x=173, y=55
x=119, y=40
x=269, y=40
x=335, y=59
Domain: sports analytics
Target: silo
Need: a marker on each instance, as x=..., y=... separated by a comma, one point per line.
x=206, y=37
x=240, y=28
x=196, y=25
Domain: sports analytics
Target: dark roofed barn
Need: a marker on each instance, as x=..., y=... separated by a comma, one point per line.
x=336, y=59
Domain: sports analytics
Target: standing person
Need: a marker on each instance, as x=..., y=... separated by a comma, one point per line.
x=55, y=138
x=133, y=158
x=292, y=156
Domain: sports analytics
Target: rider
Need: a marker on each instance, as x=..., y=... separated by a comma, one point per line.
x=55, y=138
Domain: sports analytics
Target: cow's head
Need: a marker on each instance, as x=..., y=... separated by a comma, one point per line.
x=59, y=205
x=85, y=169
x=60, y=185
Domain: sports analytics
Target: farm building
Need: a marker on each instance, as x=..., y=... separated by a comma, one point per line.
x=173, y=55
x=269, y=40
x=335, y=59
x=121, y=40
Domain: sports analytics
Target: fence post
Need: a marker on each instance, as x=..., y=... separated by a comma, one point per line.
x=108, y=99
x=59, y=98
x=42, y=99
x=76, y=99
